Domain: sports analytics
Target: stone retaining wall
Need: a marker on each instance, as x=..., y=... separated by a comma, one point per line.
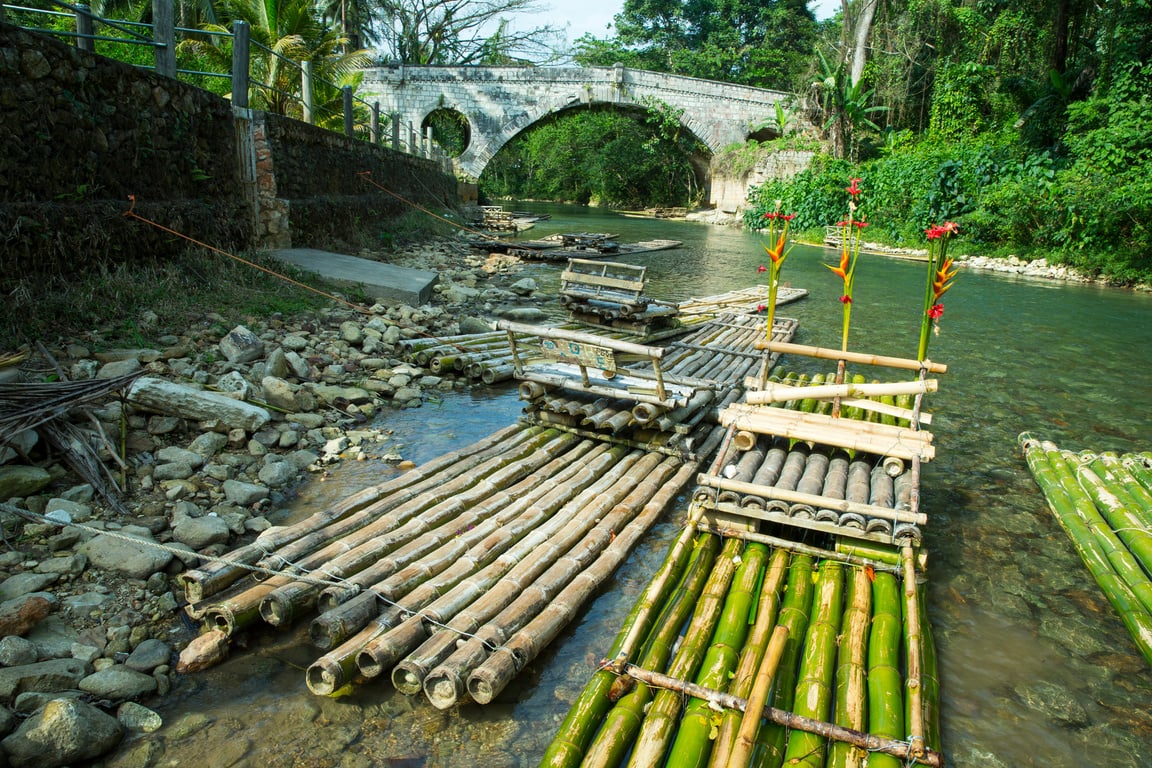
x=80, y=134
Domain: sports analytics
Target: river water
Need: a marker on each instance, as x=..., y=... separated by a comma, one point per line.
x=1037, y=670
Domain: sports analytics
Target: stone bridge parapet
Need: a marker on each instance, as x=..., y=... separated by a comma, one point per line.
x=500, y=102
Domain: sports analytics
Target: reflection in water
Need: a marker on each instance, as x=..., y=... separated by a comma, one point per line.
x=1037, y=669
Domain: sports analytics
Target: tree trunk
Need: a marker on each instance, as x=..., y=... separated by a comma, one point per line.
x=861, y=32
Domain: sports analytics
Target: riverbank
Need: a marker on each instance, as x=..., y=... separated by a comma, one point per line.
x=224, y=418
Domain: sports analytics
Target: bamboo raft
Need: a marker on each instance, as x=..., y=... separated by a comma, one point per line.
x=787, y=625
x=787, y=620
x=1104, y=503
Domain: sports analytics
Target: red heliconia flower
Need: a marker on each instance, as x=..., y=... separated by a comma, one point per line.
x=845, y=299
x=777, y=253
x=934, y=232
x=852, y=188
x=842, y=223
x=771, y=215
x=762, y=268
x=936, y=311
x=788, y=217
x=860, y=224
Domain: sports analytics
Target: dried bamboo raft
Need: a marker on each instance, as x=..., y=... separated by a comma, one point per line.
x=787, y=625
x=453, y=577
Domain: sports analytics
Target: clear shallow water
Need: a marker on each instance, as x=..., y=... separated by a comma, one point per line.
x=1036, y=668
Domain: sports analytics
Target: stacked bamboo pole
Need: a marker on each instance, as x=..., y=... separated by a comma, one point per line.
x=1104, y=504
x=844, y=666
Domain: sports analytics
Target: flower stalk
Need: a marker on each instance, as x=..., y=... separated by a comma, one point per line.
x=778, y=224
x=941, y=275
x=851, y=233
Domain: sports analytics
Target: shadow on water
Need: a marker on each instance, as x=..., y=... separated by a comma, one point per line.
x=1037, y=669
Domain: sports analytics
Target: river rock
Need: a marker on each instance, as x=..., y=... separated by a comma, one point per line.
x=136, y=560
x=19, y=444
x=136, y=717
x=208, y=444
x=279, y=393
x=45, y=676
x=240, y=345
x=180, y=400
x=201, y=532
x=118, y=368
x=525, y=287
x=25, y=583
x=22, y=613
x=17, y=651
x=205, y=651
x=118, y=683
x=243, y=494
x=524, y=314
x=331, y=394
x=78, y=512
x=276, y=472
x=148, y=655
x=18, y=480
x=65, y=731
x=173, y=453
x=65, y=565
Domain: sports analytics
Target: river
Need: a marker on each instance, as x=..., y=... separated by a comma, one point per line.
x=1036, y=668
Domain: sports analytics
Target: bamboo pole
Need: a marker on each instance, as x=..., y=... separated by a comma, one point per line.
x=914, y=655
x=885, y=685
x=692, y=743
x=777, y=393
x=851, y=709
x=818, y=666
x=741, y=753
x=587, y=712
x=660, y=719
x=795, y=497
x=784, y=348
x=494, y=675
x=622, y=722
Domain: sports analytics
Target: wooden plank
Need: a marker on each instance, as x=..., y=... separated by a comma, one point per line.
x=579, y=353
x=582, y=278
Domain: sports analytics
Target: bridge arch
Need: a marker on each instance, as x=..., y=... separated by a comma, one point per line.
x=501, y=102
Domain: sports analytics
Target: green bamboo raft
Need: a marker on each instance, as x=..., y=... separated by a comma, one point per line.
x=1104, y=503
x=787, y=625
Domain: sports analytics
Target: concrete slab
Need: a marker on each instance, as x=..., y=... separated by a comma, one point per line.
x=382, y=282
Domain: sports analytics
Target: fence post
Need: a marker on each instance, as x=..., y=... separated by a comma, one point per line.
x=349, y=123
x=413, y=149
x=164, y=36
x=241, y=47
x=306, y=91
x=428, y=142
x=375, y=127
x=396, y=131
x=84, y=39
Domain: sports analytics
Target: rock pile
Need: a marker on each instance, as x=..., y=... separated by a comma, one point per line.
x=224, y=420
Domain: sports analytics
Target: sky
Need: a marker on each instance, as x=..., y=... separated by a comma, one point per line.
x=594, y=16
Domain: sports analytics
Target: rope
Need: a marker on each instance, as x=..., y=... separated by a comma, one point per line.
x=365, y=175
x=131, y=213
x=299, y=573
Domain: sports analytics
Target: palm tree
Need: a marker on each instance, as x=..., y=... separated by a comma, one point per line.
x=286, y=33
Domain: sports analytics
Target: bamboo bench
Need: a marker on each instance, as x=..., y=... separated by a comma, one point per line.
x=594, y=364
x=599, y=281
x=893, y=446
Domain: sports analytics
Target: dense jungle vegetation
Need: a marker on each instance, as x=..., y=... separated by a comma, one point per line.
x=1028, y=123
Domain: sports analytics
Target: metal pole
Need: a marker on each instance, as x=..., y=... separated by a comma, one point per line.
x=164, y=35
x=349, y=125
x=84, y=39
x=241, y=46
x=306, y=91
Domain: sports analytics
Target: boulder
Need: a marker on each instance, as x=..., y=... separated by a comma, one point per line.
x=118, y=683
x=18, y=480
x=123, y=555
x=241, y=346
x=64, y=732
x=179, y=400
x=44, y=676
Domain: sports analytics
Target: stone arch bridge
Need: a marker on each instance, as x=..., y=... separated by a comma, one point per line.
x=500, y=102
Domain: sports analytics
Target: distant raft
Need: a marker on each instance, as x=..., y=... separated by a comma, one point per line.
x=1104, y=503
